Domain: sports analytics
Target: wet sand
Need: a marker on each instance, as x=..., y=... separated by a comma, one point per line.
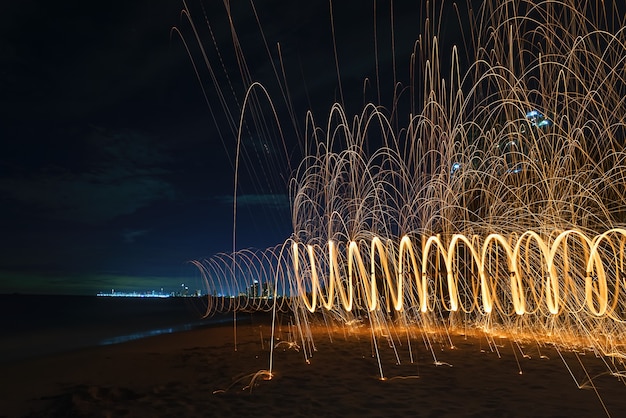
x=199, y=373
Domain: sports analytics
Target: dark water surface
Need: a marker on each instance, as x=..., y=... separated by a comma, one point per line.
x=36, y=325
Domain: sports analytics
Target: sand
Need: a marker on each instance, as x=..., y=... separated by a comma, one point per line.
x=196, y=373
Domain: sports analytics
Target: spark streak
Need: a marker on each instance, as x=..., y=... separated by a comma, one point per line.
x=492, y=200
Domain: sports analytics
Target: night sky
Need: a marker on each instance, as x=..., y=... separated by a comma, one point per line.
x=117, y=161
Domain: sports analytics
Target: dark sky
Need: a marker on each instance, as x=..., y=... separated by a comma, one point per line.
x=115, y=167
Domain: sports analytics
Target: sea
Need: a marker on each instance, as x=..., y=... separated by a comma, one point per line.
x=39, y=325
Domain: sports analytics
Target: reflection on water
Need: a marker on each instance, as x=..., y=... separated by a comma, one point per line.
x=145, y=334
x=169, y=330
x=39, y=325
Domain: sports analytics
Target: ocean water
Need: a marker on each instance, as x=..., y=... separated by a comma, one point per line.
x=37, y=325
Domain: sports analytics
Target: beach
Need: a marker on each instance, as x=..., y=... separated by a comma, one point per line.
x=200, y=373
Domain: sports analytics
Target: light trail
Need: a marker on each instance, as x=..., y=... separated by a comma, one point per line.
x=485, y=284
x=519, y=285
x=490, y=195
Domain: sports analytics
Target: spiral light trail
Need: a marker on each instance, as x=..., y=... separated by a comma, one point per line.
x=486, y=197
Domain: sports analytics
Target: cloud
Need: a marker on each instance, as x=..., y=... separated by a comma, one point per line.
x=131, y=235
x=129, y=283
x=89, y=284
x=118, y=174
x=88, y=197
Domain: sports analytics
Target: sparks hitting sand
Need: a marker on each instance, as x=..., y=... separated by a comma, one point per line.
x=489, y=196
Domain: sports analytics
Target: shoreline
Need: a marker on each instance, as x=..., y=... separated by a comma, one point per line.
x=41, y=325
x=199, y=373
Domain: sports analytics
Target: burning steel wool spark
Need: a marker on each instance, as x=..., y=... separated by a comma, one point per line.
x=490, y=195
